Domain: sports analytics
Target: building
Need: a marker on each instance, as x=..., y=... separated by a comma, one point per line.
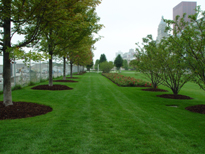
x=184, y=7
x=161, y=30
x=127, y=55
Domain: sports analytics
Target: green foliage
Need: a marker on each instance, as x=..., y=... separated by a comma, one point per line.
x=133, y=64
x=16, y=87
x=174, y=73
x=118, y=62
x=125, y=64
x=43, y=80
x=106, y=66
x=102, y=58
x=191, y=43
x=89, y=66
x=31, y=83
x=147, y=60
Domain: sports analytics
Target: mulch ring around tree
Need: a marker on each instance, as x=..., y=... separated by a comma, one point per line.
x=155, y=90
x=54, y=87
x=64, y=81
x=196, y=108
x=22, y=110
x=172, y=96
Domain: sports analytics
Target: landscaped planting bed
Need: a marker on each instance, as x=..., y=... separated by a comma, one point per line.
x=125, y=81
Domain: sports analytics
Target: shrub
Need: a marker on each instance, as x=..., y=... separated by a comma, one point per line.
x=106, y=66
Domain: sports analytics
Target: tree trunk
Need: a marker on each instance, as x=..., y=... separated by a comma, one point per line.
x=64, y=68
x=78, y=70
x=175, y=91
x=6, y=60
x=50, y=68
x=71, y=69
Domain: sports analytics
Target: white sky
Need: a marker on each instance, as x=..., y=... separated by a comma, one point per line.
x=127, y=22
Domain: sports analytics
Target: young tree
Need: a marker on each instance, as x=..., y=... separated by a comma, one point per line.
x=29, y=18
x=191, y=41
x=102, y=58
x=147, y=60
x=118, y=62
x=173, y=69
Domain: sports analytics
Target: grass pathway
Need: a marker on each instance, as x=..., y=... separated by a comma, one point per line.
x=100, y=117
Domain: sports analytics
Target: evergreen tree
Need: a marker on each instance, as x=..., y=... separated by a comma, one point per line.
x=118, y=62
x=102, y=58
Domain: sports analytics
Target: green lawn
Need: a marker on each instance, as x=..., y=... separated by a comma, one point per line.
x=98, y=117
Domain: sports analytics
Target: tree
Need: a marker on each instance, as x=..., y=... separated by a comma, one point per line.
x=118, y=62
x=106, y=66
x=89, y=66
x=102, y=58
x=173, y=69
x=125, y=64
x=147, y=61
x=133, y=64
x=29, y=18
x=78, y=33
x=190, y=38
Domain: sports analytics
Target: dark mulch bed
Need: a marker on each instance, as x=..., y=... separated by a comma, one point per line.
x=155, y=90
x=196, y=108
x=172, y=96
x=64, y=81
x=22, y=110
x=54, y=87
x=72, y=77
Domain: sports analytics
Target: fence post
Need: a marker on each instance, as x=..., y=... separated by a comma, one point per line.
x=30, y=70
x=14, y=73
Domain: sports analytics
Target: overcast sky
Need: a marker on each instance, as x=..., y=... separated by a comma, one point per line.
x=127, y=22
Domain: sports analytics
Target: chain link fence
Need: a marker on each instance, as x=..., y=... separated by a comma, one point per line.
x=22, y=74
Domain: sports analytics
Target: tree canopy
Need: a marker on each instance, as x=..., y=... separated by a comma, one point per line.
x=102, y=58
x=118, y=62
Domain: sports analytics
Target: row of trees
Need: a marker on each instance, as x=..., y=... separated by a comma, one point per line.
x=107, y=66
x=60, y=28
x=176, y=59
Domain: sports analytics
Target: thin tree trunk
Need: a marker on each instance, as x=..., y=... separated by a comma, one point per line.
x=6, y=61
x=50, y=68
x=71, y=69
x=64, y=68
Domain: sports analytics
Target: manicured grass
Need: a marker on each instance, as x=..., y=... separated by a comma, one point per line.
x=99, y=117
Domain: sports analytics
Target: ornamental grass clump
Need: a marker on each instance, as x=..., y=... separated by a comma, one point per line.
x=125, y=81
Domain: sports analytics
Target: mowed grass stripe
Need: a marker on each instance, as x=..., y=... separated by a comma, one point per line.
x=99, y=117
